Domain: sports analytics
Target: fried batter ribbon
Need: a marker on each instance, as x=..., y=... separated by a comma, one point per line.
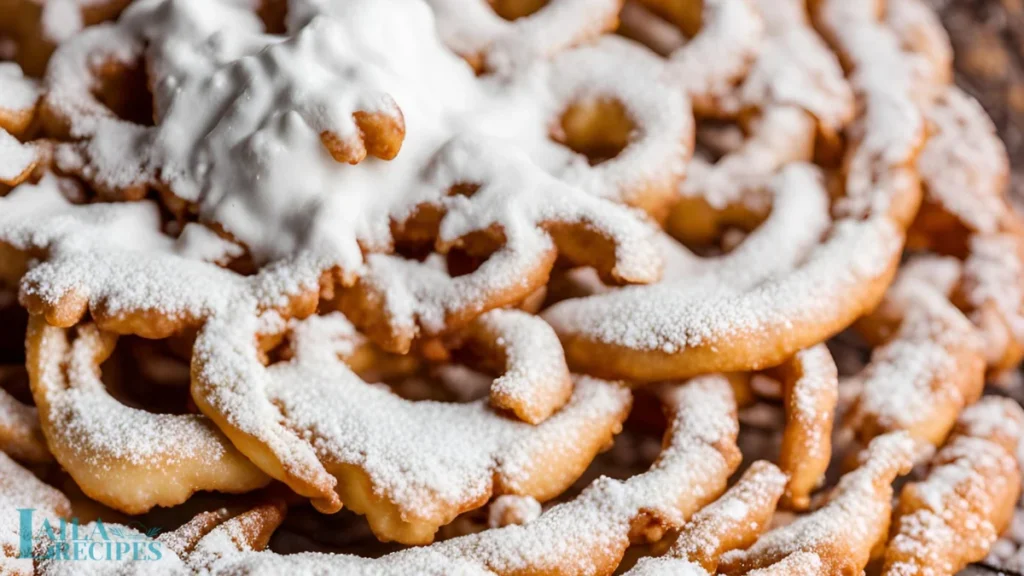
x=842, y=533
x=879, y=173
x=532, y=378
x=18, y=105
x=410, y=467
x=929, y=363
x=775, y=294
x=953, y=516
x=810, y=392
x=734, y=521
x=967, y=214
x=111, y=260
x=124, y=457
x=36, y=28
x=586, y=535
x=20, y=435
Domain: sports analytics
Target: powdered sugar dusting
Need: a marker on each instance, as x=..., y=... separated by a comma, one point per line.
x=891, y=128
x=844, y=530
x=964, y=164
x=930, y=366
x=16, y=158
x=511, y=510
x=711, y=63
x=318, y=417
x=20, y=435
x=115, y=257
x=709, y=313
x=474, y=30
x=18, y=93
x=949, y=519
x=223, y=144
x=576, y=536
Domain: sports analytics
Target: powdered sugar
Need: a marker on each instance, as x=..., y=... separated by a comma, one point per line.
x=965, y=154
x=843, y=531
x=511, y=510
x=428, y=459
x=891, y=127
x=577, y=536
x=16, y=159
x=115, y=257
x=710, y=64
x=238, y=158
x=712, y=310
x=475, y=31
x=20, y=489
x=18, y=93
x=20, y=435
x=948, y=519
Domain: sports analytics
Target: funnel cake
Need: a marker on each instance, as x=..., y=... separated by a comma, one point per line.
x=589, y=534
x=841, y=534
x=979, y=226
x=929, y=364
x=20, y=434
x=756, y=307
x=308, y=423
x=474, y=149
x=36, y=27
x=792, y=100
x=124, y=457
x=112, y=261
x=374, y=253
x=952, y=517
x=19, y=98
x=734, y=521
x=655, y=333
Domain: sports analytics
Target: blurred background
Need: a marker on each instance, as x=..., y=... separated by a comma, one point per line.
x=988, y=38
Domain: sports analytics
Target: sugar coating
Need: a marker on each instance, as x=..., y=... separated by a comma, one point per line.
x=912, y=370
x=16, y=158
x=474, y=29
x=954, y=508
x=709, y=65
x=511, y=509
x=18, y=93
x=102, y=431
x=795, y=85
x=794, y=68
x=17, y=419
x=782, y=135
x=316, y=416
x=241, y=115
x=690, y=469
x=744, y=507
x=854, y=517
x=964, y=165
x=891, y=126
x=778, y=284
x=116, y=257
